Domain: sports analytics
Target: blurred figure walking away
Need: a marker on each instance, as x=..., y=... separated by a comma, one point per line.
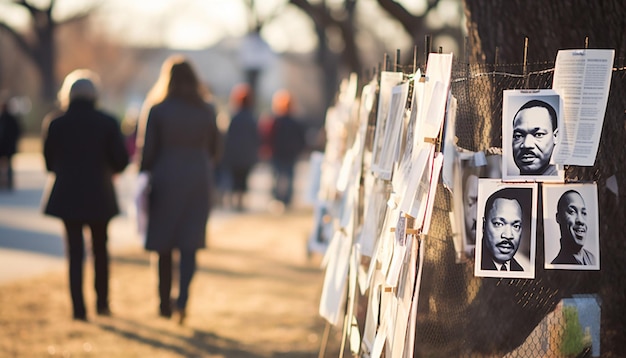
x=10, y=132
x=129, y=130
x=84, y=147
x=241, y=144
x=287, y=141
x=179, y=144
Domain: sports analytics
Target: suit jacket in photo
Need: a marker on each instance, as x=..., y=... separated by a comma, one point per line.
x=486, y=263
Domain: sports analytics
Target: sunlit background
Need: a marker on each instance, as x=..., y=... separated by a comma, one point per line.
x=126, y=41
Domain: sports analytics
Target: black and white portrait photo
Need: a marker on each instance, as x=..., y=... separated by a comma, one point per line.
x=506, y=230
x=471, y=167
x=570, y=215
x=530, y=134
x=469, y=193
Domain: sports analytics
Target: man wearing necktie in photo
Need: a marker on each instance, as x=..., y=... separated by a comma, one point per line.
x=502, y=232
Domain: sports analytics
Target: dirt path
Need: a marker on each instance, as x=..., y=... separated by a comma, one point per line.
x=255, y=294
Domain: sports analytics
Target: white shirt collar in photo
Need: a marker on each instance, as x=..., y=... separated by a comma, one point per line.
x=499, y=266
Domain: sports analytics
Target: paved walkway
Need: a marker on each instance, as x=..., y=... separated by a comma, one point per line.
x=31, y=243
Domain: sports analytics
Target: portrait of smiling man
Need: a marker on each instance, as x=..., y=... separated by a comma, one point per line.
x=571, y=215
x=571, y=234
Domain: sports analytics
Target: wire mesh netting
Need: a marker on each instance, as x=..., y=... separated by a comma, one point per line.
x=463, y=315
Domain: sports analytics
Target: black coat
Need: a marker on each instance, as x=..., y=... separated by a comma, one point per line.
x=242, y=141
x=10, y=131
x=84, y=148
x=181, y=145
x=287, y=140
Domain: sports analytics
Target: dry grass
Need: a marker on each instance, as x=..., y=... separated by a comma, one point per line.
x=255, y=294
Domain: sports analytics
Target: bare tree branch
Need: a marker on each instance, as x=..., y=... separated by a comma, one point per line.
x=412, y=24
x=19, y=39
x=41, y=48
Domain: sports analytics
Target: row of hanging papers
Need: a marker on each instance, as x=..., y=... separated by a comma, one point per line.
x=375, y=184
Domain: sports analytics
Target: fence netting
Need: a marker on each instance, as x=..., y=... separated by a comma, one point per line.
x=467, y=316
x=463, y=315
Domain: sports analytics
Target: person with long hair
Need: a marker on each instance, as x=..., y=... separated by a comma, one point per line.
x=179, y=144
x=84, y=147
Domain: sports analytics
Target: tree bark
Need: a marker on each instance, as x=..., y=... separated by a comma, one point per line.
x=502, y=26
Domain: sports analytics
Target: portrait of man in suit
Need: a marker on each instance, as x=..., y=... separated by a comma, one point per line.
x=502, y=231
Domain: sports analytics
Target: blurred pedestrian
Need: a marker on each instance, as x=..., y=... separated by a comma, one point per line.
x=241, y=144
x=10, y=132
x=129, y=129
x=287, y=141
x=179, y=143
x=266, y=121
x=84, y=147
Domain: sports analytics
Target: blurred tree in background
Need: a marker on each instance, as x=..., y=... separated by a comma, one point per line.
x=53, y=37
x=37, y=42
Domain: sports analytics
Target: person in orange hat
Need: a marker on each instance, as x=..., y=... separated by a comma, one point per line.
x=287, y=141
x=241, y=144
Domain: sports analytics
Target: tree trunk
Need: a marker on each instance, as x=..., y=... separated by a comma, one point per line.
x=496, y=26
x=549, y=26
x=46, y=62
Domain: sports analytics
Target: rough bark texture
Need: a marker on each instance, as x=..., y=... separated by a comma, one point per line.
x=549, y=26
x=500, y=27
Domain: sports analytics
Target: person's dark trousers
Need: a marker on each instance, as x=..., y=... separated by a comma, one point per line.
x=186, y=270
x=283, y=181
x=76, y=252
x=165, y=283
x=7, y=161
x=10, y=173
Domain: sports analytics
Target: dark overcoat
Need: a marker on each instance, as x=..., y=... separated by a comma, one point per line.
x=84, y=148
x=242, y=142
x=181, y=145
x=287, y=140
x=10, y=131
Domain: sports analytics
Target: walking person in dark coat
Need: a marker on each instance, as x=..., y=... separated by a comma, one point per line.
x=84, y=147
x=287, y=142
x=179, y=143
x=242, y=144
x=10, y=132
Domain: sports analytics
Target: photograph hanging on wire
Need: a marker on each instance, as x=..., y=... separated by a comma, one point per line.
x=506, y=233
x=571, y=227
x=531, y=120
